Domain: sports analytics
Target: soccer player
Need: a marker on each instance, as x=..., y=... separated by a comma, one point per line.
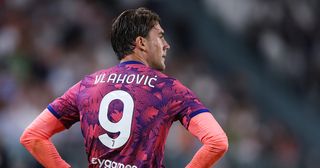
x=125, y=112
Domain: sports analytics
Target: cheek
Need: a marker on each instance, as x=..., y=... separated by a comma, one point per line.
x=160, y=45
x=156, y=46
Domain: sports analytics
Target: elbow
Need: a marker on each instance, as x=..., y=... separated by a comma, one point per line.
x=224, y=145
x=30, y=141
x=28, y=138
x=218, y=145
x=24, y=140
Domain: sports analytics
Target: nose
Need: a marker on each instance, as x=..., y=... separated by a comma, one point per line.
x=166, y=45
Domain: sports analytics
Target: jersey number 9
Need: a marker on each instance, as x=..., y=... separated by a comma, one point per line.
x=123, y=125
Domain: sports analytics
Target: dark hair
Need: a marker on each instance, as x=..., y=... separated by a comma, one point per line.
x=128, y=26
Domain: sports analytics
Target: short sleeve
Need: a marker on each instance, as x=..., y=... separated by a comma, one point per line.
x=185, y=104
x=65, y=107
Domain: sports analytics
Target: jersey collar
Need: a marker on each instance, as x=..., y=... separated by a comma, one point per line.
x=131, y=62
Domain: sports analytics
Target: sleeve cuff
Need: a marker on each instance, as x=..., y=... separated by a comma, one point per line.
x=198, y=112
x=50, y=108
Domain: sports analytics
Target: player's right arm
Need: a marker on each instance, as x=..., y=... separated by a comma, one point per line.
x=36, y=139
x=215, y=142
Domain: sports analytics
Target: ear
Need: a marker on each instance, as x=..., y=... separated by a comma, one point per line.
x=141, y=43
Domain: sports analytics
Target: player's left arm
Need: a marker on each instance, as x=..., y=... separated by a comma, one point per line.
x=194, y=116
x=215, y=142
x=36, y=139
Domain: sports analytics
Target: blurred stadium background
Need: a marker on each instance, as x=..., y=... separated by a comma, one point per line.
x=254, y=63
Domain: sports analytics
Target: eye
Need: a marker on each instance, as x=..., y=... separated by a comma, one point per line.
x=161, y=35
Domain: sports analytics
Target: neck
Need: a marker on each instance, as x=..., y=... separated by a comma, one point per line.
x=134, y=57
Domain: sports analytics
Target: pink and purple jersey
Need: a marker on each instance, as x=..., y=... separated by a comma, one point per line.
x=125, y=113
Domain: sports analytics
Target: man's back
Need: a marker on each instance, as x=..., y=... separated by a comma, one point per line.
x=126, y=112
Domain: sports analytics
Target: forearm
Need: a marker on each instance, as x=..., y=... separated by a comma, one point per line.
x=44, y=152
x=36, y=140
x=215, y=142
x=208, y=155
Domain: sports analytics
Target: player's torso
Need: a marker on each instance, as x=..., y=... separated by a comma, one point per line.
x=124, y=116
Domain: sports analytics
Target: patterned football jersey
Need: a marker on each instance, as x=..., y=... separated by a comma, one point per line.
x=125, y=113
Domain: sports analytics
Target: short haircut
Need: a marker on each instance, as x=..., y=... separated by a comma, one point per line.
x=129, y=25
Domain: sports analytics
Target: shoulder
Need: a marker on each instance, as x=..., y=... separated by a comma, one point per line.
x=175, y=83
x=180, y=88
x=172, y=84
